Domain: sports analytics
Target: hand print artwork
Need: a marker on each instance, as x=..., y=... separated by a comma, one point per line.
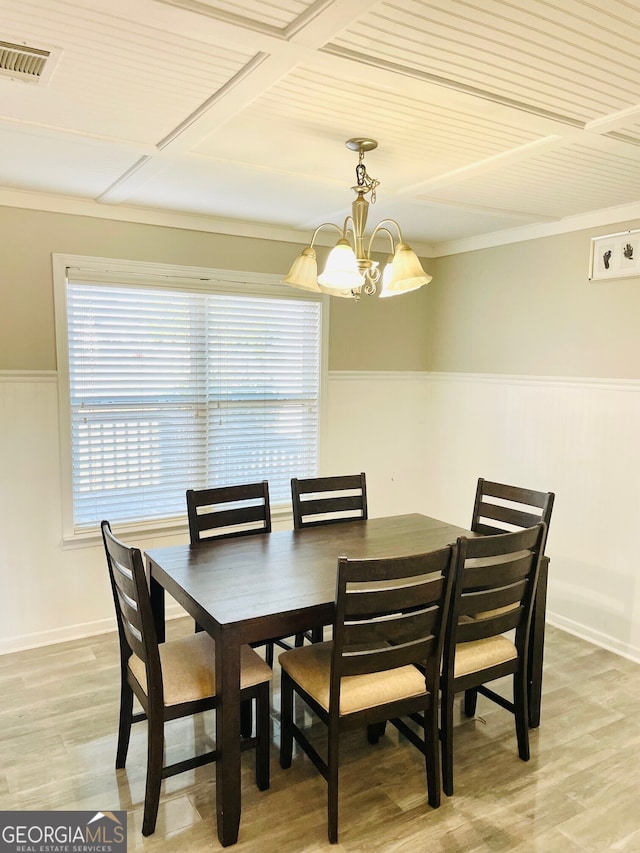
x=615, y=256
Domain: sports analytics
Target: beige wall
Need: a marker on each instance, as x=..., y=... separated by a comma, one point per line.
x=529, y=308
x=375, y=334
x=381, y=334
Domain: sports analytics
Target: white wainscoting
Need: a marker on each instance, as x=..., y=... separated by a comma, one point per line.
x=423, y=439
x=577, y=438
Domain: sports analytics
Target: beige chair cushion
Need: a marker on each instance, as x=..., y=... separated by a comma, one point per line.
x=188, y=668
x=310, y=667
x=480, y=654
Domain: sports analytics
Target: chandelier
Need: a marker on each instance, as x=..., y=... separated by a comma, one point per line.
x=350, y=270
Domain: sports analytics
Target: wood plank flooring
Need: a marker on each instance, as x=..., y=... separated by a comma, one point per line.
x=580, y=791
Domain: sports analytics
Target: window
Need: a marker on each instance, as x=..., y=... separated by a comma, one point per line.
x=176, y=382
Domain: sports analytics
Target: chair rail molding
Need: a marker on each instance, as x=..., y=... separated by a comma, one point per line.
x=28, y=376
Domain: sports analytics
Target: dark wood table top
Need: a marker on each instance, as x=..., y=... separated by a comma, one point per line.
x=252, y=582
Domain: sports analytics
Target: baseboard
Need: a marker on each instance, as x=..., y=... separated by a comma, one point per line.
x=81, y=631
x=604, y=641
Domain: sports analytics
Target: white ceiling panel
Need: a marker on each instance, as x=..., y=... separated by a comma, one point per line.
x=489, y=114
x=560, y=183
x=309, y=109
x=224, y=189
x=575, y=59
x=54, y=163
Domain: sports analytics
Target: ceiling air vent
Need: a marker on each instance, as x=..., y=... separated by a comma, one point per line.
x=21, y=62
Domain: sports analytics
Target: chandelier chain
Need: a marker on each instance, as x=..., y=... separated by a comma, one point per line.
x=364, y=179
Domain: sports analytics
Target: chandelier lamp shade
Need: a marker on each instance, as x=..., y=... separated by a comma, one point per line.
x=350, y=271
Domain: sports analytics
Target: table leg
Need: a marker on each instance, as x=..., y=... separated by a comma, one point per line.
x=536, y=644
x=228, y=795
x=156, y=593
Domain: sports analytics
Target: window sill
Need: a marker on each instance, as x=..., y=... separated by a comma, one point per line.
x=281, y=515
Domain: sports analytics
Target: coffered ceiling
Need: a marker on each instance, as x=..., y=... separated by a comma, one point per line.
x=490, y=114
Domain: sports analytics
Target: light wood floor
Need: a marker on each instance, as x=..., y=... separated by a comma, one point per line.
x=580, y=791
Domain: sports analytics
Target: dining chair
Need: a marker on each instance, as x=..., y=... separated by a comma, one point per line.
x=172, y=679
x=494, y=587
x=390, y=616
x=327, y=500
x=500, y=508
x=229, y=511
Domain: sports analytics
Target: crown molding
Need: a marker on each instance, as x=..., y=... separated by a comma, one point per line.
x=52, y=203
x=599, y=218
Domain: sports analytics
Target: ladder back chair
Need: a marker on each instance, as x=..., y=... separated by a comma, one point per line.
x=494, y=587
x=390, y=617
x=500, y=508
x=172, y=679
x=226, y=512
x=327, y=500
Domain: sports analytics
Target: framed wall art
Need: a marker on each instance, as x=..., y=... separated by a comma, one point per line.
x=615, y=256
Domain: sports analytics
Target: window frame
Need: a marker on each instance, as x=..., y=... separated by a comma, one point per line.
x=171, y=277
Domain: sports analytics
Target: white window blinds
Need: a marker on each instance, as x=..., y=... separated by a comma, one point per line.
x=172, y=389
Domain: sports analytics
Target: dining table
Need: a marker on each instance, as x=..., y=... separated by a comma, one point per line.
x=249, y=589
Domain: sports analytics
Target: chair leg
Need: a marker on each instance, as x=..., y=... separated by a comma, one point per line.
x=521, y=710
x=432, y=755
x=263, y=737
x=446, y=724
x=246, y=718
x=470, y=702
x=126, y=718
x=286, y=721
x=298, y=640
x=269, y=654
x=375, y=731
x=317, y=635
x=332, y=782
x=155, y=748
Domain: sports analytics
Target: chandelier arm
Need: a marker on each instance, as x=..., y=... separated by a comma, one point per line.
x=381, y=226
x=325, y=225
x=349, y=226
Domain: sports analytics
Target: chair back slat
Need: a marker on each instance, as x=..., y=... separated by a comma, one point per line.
x=516, y=494
x=327, y=500
x=387, y=657
x=493, y=598
x=397, y=629
x=133, y=605
x=228, y=511
x=480, y=574
x=366, y=601
x=129, y=610
x=508, y=515
x=486, y=626
x=390, y=613
x=500, y=508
